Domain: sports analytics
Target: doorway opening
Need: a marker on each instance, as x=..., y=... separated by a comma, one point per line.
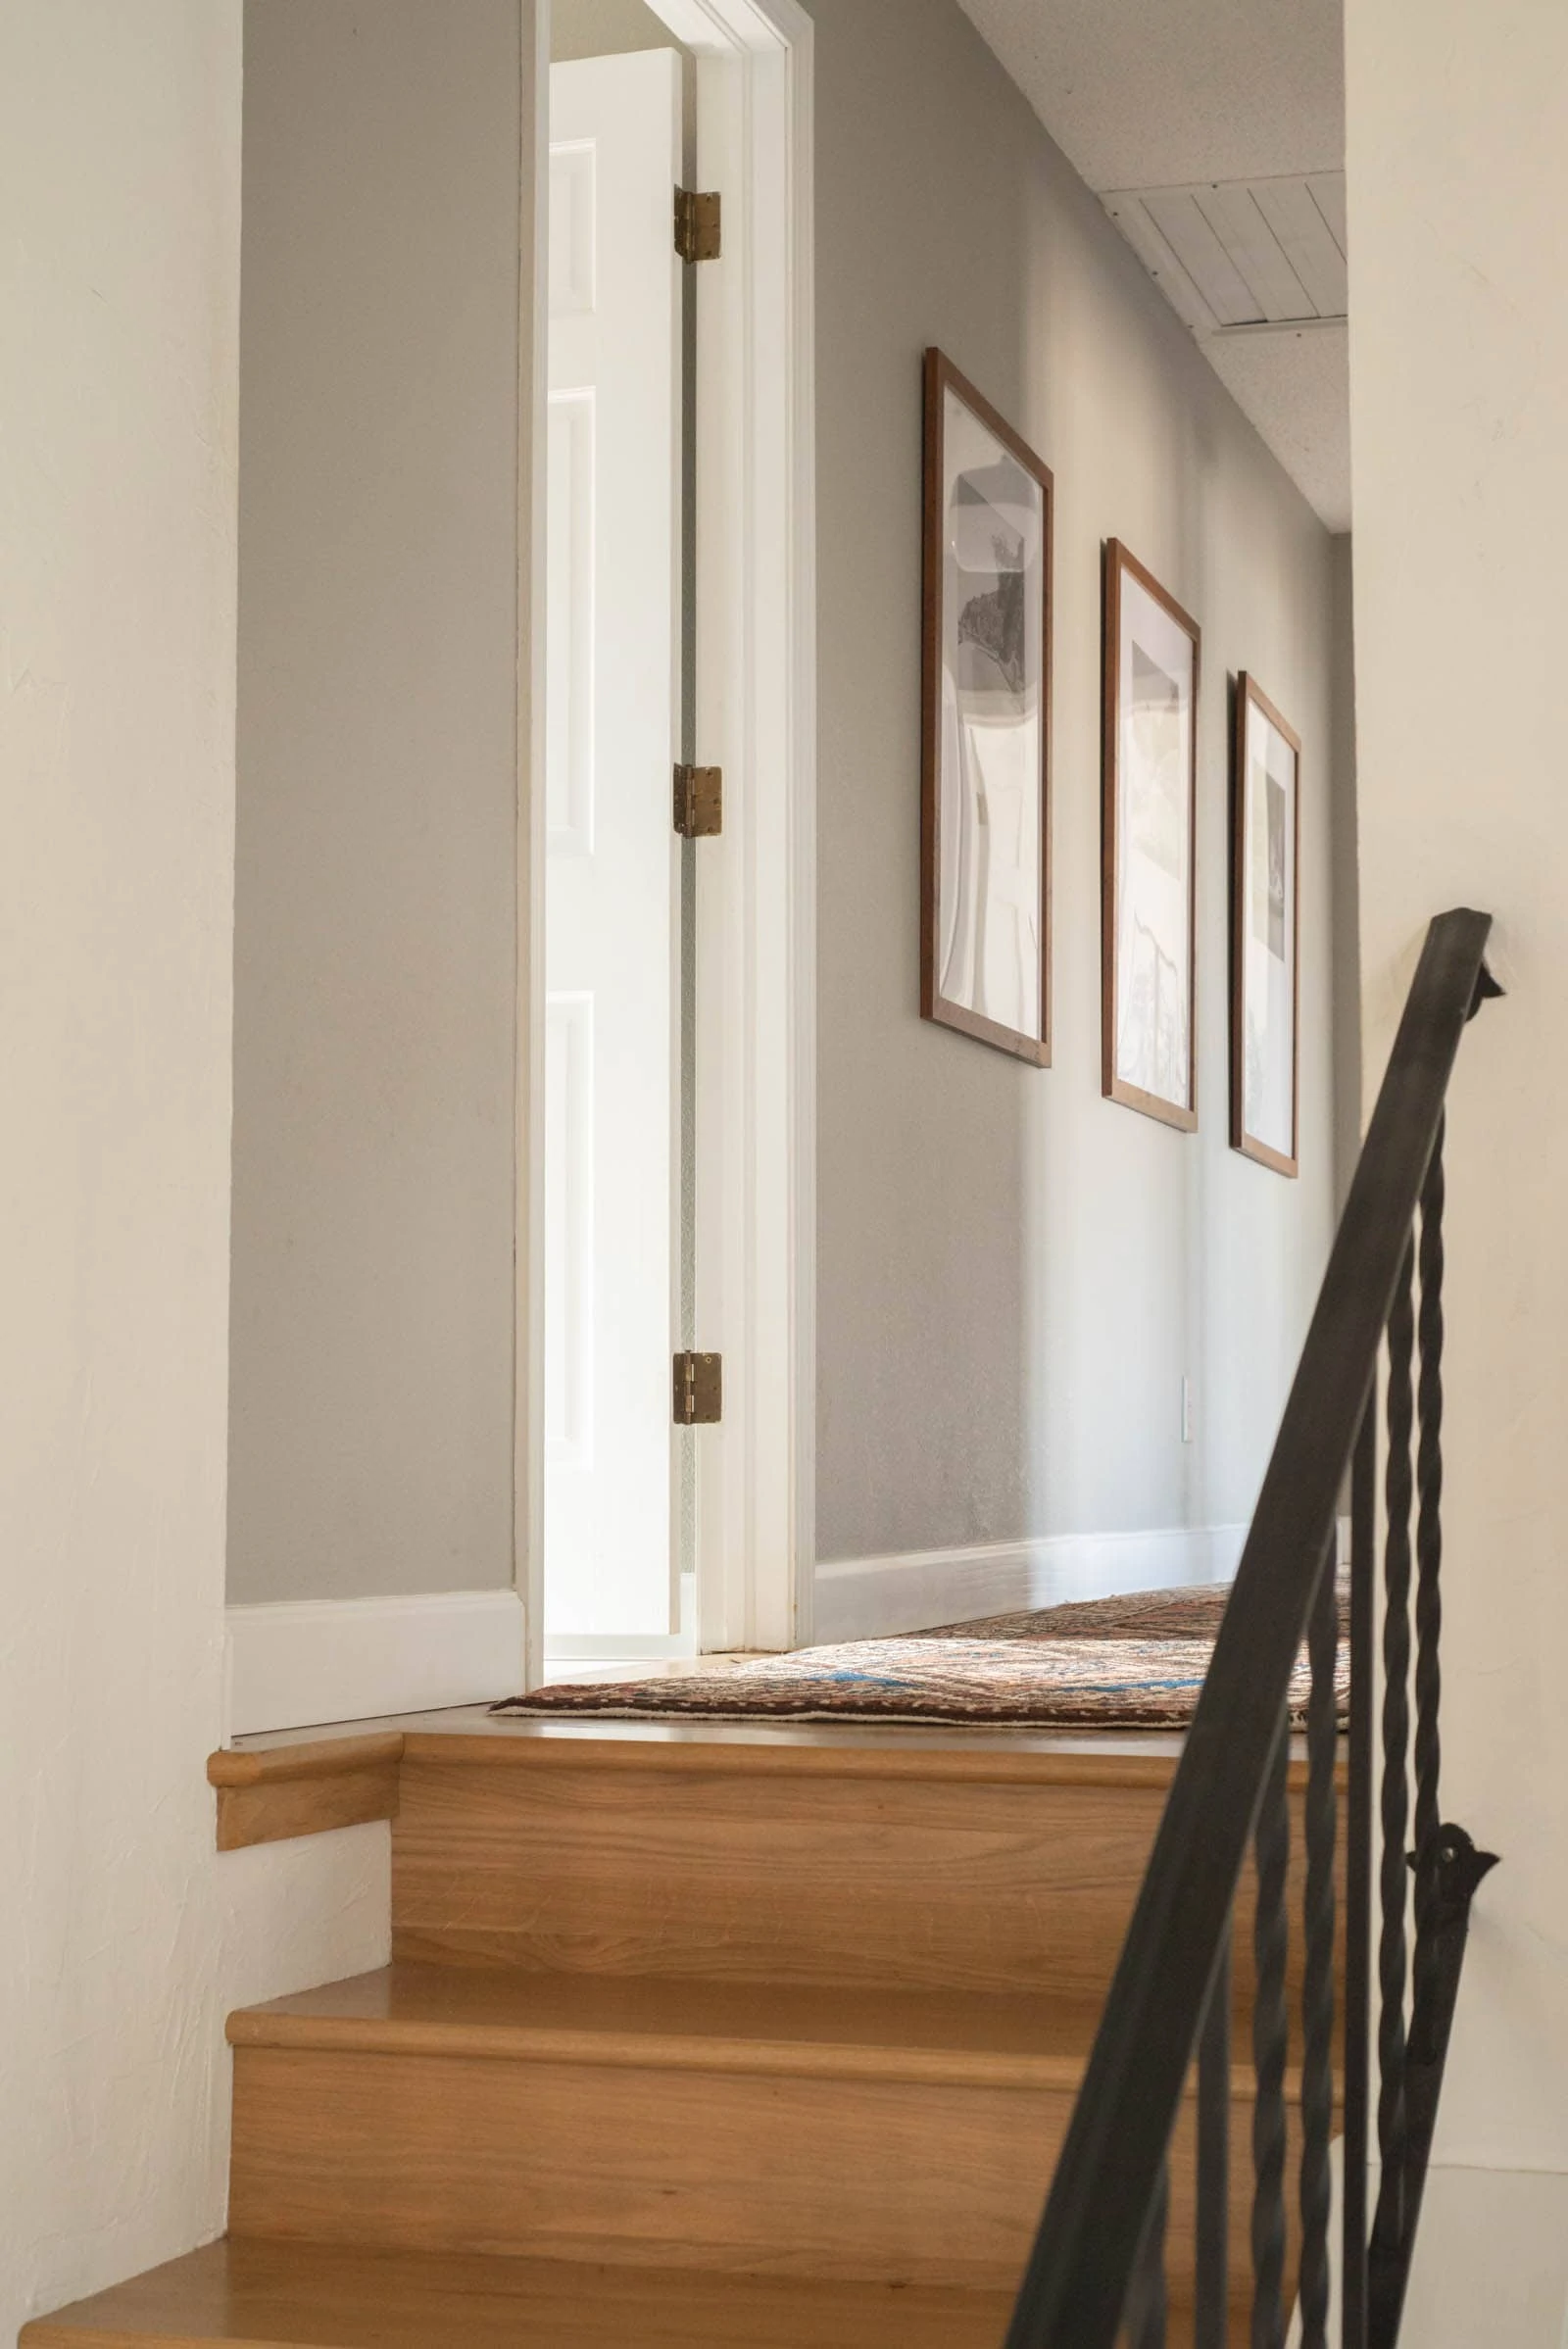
x=668, y=1205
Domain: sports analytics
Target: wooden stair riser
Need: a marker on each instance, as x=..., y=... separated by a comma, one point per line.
x=857, y=1881
x=772, y=2171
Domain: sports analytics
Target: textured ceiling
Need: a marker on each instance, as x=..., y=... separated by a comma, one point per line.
x=1295, y=386
x=1150, y=93
x=1157, y=94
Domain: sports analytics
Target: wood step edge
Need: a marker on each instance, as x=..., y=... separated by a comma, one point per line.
x=323, y=1757
x=994, y=1763
x=885, y=1754
x=323, y=2022
x=270, y=1795
x=660, y=2051
x=650, y=2051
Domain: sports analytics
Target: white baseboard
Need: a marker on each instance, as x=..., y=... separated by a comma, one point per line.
x=619, y=1647
x=308, y=1661
x=867, y=1598
x=1490, y=2258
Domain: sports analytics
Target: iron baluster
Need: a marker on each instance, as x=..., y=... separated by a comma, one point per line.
x=1459, y=1869
x=1317, y=1988
x=1429, y=1569
x=1359, y=1882
x=1270, y=2043
x=1398, y=1487
x=1211, y=2296
x=1146, y=2302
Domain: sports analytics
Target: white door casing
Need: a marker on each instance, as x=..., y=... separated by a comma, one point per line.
x=612, y=1013
x=756, y=717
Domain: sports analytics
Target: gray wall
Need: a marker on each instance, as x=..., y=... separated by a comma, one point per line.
x=1015, y=1274
x=375, y=961
x=605, y=28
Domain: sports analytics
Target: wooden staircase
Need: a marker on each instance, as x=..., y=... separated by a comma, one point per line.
x=686, y=2041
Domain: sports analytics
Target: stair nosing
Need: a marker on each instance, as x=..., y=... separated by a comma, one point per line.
x=583, y=1745
x=613, y=2046
x=654, y=2051
x=737, y=1755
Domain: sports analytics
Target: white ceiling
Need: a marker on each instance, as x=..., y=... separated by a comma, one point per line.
x=1160, y=98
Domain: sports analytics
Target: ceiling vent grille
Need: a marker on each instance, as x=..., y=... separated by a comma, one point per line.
x=1241, y=254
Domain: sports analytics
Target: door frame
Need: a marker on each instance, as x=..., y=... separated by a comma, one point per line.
x=756, y=717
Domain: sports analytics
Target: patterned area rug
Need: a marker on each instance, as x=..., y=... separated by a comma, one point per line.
x=1108, y=1663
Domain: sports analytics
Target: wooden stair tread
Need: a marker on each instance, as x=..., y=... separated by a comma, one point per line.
x=660, y=2021
x=261, y=2295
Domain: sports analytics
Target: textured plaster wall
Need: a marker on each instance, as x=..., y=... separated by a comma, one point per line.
x=1458, y=178
x=1013, y=1273
x=124, y=1936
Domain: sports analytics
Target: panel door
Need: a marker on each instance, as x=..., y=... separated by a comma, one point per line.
x=612, y=1045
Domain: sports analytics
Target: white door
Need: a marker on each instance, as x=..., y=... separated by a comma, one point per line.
x=612, y=870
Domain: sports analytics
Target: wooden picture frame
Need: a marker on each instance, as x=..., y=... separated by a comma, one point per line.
x=985, y=831
x=1149, y=845
x=1266, y=932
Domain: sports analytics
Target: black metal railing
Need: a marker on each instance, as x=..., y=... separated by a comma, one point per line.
x=1105, y=2255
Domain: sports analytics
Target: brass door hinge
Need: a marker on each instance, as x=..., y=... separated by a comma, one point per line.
x=698, y=802
x=699, y=234
x=699, y=1389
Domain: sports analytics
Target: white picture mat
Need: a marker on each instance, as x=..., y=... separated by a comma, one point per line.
x=1156, y=664
x=991, y=881
x=1270, y=782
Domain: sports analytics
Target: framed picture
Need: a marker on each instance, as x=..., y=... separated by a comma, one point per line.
x=1265, y=946
x=985, y=912
x=1148, y=848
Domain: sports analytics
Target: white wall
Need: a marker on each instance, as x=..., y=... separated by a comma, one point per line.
x=1013, y=1273
x=371, y=1418
x=1458, y=182
x=123, y=1933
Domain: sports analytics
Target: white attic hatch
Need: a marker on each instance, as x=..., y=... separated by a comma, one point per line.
x=1231, y=255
